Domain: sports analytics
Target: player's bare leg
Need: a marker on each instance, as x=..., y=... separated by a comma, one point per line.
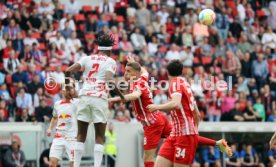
x=99, y=145
x=53, y=162
x=149, y=157
x=79, y=145
x=180, y=165
x=220, y=144
x=71, y=163
x=163, y=162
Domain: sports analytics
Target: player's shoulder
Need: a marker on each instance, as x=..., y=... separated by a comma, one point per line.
x=57, y=103
x=110, y=60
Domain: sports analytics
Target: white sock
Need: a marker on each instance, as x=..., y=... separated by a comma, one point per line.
x=78, y=149
x=98, y=155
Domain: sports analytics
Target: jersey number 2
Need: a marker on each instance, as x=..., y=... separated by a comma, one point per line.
x=95, y=69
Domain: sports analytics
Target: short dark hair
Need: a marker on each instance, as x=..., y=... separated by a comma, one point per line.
x=136, y=66
x=175, y=68
x=104, y=40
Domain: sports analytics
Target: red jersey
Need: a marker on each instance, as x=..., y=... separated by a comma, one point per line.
x=183, y=118
x=139, y=106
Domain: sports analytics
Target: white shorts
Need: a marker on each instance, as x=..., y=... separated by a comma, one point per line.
x=92, y=109
x=58, y=147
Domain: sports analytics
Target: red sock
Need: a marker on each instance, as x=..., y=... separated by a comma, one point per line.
x=149, y=164
x=206, y=141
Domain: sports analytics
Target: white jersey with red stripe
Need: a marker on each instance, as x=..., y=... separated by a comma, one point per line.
x=139, y=106
x=95, y=68
x=183, y=118
x=66, y=112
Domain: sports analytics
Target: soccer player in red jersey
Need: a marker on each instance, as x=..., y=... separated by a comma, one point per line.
x=179, y=148
x=156, y=125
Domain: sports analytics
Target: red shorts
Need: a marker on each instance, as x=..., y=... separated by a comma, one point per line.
x=153, y=133
x=179, y=149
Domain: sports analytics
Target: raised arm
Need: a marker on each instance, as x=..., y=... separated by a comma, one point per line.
x=111, y=81
x=128, y=97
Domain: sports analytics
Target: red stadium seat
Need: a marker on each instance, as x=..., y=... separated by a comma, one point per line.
x=163, y=49
x=120, y=18
x=23, y=34
x=1, y=65
x=107, y=17
x=42, y=46
x=56, y=26
x=79, y=17
x=206, y=60
x=87, y=8
x=97, y=9
x=36, y=35
x=94, y=16
x=260, y=13
x=89, y=36
x=13, y=91
x=196, y=60
x=81, y=27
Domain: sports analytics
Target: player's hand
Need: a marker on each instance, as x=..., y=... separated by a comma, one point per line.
x=113, y=99
x=49, y=132
x=130, y=58
x=152, y=107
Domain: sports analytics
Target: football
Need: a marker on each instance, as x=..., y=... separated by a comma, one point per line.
x=207, y=17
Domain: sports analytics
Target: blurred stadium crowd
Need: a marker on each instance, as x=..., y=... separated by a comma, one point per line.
x=40, y=40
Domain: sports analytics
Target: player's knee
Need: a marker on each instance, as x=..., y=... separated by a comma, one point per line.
x=148, y=156
x=53, y=163
x=100, y=139
x=81, y=138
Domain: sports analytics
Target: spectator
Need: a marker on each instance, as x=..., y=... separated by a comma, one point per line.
x=190, y=17
x=44, y=160
x=272, y=16
x=54, y=55
x=232, y=45
x=249, y=113
x=235, y=28
x=24, y=100
x=18, y=44
x=101, y=23
x=29, y=40
x=72, y=7
x=143, y=16
x=163, y=14
x=46, y=9
x=160, y=97
x=173, y=53
x=24, y=21
x=11, y=64
x=187, y=38
x=20, y=76
x=222, y=23
x=37, y=56
x=206, y=49
x=73, y=43
x=269, y=38
x=58, y=75
x=272, y=156
x=246, y=65
x=236, y=113
x=152, y=46
x=67, y=31
x=91, y=24
x=241, y=10
x=12, y=30
x=157, y=24
x=187, y=57
x=38, y=96
x=125, y=45
x=200, y=31
x=272, y=117
x=242, y=86
x=58, y=40
x=4, y=93
x=35, y=84
x=231, y=66
x=233, y=161
x=14, y=157
x=35, y=22
x=68, y=18
x=106, y=7
x=259, y=108
x=260, y=70
x=25, y=117
x=43, y=113
x=244, y=46
x=6, y=51
x=138, y=40
x=253, y=36
x=213, y=105
x=45, y=22
x=272, y=79
x=247, y=156
x=211, y=157
x=267, y=98
x=2, y=116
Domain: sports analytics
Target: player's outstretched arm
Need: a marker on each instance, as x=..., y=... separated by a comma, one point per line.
x=128, y=97
x=174, y=103
x=53, y=124
x=272, y=141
